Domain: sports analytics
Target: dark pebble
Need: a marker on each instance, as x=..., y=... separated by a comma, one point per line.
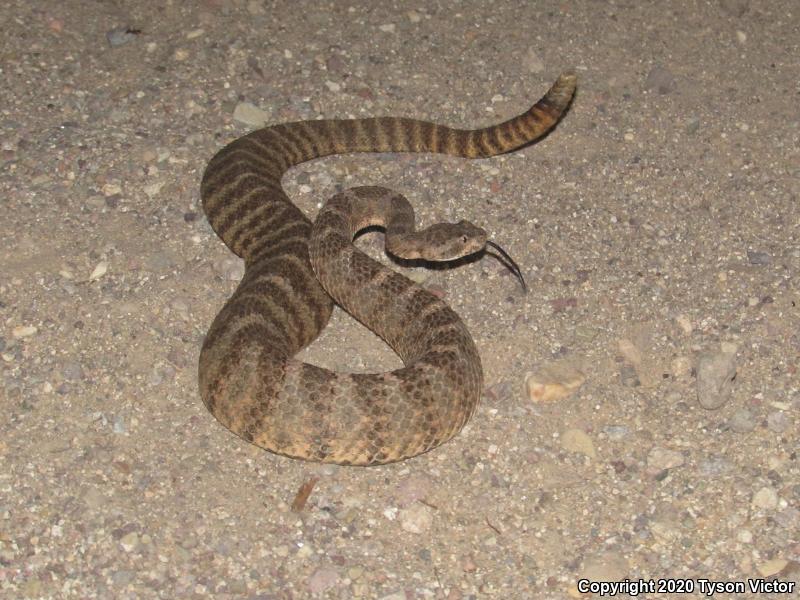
x=758, y=258
x=660, y=80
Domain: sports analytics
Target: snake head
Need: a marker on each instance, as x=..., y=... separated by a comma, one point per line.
x=451, y=241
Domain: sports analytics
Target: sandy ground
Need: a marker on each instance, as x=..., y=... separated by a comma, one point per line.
x=657, y=226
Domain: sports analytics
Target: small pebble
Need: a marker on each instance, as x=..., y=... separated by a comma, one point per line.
x=617, y=432
x=99, y=270
x=772, y=567
x=250, y=114
x=713, y=467
x=628, y=376
x=532, y=62
x=411, y=489
x=778, y=422
x=758, y=258
x=553, y=381
x=735, y=8
x=119, y=36
x=322, y=580
x=576, y=440
x=715, y=374
x=766, y=499
x=742, y=421
x=72, y=371
x=129, y=541
x=660, y=80
x=660, y=459
x=23, y=331
x=605, y=566
x=417, y=518
x=119, y=425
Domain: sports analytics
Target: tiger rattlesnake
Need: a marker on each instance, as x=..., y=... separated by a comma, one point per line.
x=248, y=378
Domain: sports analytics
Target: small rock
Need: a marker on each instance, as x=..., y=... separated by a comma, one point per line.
x=758, y=258
x=660, y=79
x=100, y=270
x=94, y=498
x=119, y=36
x=72, y=371
x=772, y=567
x=417, y=518
x=766, y=499
x=468, y=564
x=119, y=425
x=256, y=7
x=617, y=432
x=745, y=536
x=387, y=27
x=606, y=566
x=322, y=580
x=692, y=125
x=714, y=467
x=715, y=374
x=111, y=189
x=576, y=440
x=628, y=376
x=23, y=331
x=153, y=189
x=229, y=268
x=742, y=421
x=411, y=489
x=335, y=64
x=500, y=392
x=250, y=114
x=777, y=422
x=788, y=519
x=129, y=541
x=532, y=62
x=553, y=382
x=681, y=366
x=735, y=8
x=629, y=351
x=660, y=459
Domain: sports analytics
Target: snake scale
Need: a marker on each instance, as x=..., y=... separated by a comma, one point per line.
x=248, y=377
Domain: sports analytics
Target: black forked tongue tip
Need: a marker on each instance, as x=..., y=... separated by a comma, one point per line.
x=510, y=263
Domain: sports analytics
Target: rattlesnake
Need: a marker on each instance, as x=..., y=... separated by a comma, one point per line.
x=248, y=378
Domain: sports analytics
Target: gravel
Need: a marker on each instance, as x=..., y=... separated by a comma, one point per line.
x=657, y=228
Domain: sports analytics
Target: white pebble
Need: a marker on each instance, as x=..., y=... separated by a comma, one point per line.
x=417, y=518
x=100, y=270
x=23, y=331
x=766, y=498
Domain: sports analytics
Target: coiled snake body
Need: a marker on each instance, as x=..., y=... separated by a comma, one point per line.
x=248, y=377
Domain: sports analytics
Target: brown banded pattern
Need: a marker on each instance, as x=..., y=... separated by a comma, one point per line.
x=248, y=378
